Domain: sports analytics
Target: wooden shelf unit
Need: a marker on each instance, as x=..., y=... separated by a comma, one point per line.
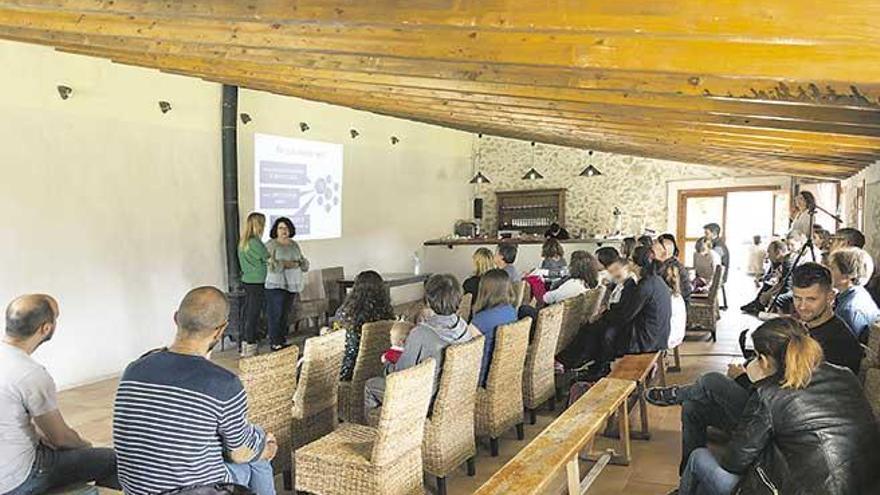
x=530, y=211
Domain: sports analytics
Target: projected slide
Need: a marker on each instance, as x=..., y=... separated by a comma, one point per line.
x=301, y=180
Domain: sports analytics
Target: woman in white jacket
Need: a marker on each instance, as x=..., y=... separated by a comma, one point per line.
x=582, y=276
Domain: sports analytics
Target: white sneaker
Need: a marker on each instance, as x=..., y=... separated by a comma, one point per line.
x=248, y=350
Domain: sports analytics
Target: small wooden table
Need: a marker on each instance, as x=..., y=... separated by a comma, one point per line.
x=391, y=280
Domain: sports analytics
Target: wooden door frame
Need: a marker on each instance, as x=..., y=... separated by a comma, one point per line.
x=685, y=194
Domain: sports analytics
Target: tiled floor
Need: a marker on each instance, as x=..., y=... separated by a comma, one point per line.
x=654, y=469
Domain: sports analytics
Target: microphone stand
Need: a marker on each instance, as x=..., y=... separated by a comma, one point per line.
x=807, y=245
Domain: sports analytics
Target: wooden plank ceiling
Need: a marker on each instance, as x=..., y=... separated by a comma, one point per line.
x=787, y=86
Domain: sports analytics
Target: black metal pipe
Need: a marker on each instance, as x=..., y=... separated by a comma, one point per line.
x=229, y=139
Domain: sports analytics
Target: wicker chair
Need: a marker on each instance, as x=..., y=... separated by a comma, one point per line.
x=500, y=404
x=313, y=302
x=270, y=380
x=538, y=377
x=595, y=297
x=872, y=390
x=872, y=350
x=449, y=434
x=315, y=398
x=359, y=460
x=572, y=318
x=375, y=338
x=703, y=312
x=464, y=307
x=521, y=290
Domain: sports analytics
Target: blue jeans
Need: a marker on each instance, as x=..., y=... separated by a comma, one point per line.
x=257, y=476
x=59, y=468
x=278, y=303
x=704, y=476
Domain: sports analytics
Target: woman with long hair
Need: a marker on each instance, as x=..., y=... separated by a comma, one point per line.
x=582, y=276
x=252, y=258
x=368, y=301
x=553, y=255
x=678, y=320
x=807, y=427
x=284, y=279
x=493, y=308
x=484, y=260
x=805, y=205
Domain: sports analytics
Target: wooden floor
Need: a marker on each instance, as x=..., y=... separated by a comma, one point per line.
x=654, y=469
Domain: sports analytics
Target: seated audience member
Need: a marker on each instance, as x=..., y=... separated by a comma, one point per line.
x=645, y=240
x=813, y=299
x=620, y=270
x=705, y=261
x=483, y=262
x=775, y=280
x=626, y=248
x=505, y=257
x=605, y=256
x=38, y=451
x=795, y=241
x=850, y=270
x=678, y=319
x=399, y=333
x=581, y=277
x=188, y=414
x=556, y=231
x=368, y=301
x=806, y=427
x=712, y=231
x=638, y=323
x=553, y=254
x=493, y=308
x=757, y=255
x=666, y=252
x=430, y=337
x=846, y=237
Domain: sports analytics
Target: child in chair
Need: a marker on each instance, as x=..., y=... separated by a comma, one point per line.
x=399, y=333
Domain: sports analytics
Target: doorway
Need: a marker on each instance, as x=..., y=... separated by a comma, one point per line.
x=742, y=213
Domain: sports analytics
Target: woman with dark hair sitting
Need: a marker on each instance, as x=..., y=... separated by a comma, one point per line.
x=553, y=254
x=368, y=301
x=493, y=308
x=581, y=276
x=807, y=427
x=638, y=323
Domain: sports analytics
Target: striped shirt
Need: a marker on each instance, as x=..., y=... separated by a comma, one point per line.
x=174, y=418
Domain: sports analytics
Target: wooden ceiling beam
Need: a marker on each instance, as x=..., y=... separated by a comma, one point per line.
x=843, y=59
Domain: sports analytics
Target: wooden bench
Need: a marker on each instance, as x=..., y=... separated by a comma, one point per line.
x=560, y=445
x=637, y=368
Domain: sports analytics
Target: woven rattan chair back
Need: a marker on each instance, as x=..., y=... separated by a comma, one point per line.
x=318, y=379
x=717, y=279
x=464, y=307
x=375, y=338
x=593, y=303
x=270, y=380
x=405, y=406
x=500, y=404
x=538, y=377
x=573, y=310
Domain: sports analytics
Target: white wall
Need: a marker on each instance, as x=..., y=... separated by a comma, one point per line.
x=107, y=204
x=116, y=209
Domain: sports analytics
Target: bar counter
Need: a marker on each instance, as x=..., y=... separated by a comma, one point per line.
x=453, y=255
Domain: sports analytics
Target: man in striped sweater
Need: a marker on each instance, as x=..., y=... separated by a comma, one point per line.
x=181, y=420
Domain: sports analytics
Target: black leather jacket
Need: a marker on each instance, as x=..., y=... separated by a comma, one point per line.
x=822, y=439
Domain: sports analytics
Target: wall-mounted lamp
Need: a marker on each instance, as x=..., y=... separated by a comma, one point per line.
x=395, y=140
x=64, y=91
x=354, y=133
x=479, y=179
x=164, y=106
x=303, y=126
x=245, y=118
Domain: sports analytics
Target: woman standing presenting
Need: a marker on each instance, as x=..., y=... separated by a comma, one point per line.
x=252, y=257
x=805, y=204
x=284, y=279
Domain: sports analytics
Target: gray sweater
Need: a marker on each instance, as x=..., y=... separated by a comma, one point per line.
x=278, y=277
x=429, y=339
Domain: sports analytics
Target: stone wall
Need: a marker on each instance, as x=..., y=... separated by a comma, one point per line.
x=870, y=177
x=638, y=186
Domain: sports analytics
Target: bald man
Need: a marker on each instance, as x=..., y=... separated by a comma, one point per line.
x=38, y=451
x=181, y=420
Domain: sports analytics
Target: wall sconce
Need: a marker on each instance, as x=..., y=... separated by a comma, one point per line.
x=354, y=133
x=164, y=106
x=245, y=118
x=64, y=91
x=590, y=171
x=479, y=179
x=394, y=140
x=303, y=126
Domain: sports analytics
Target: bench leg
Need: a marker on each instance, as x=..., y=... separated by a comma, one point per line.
x=573, y=475
x=676, y=359
x=661, y=369
x=644, y=434
x=624, y=449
